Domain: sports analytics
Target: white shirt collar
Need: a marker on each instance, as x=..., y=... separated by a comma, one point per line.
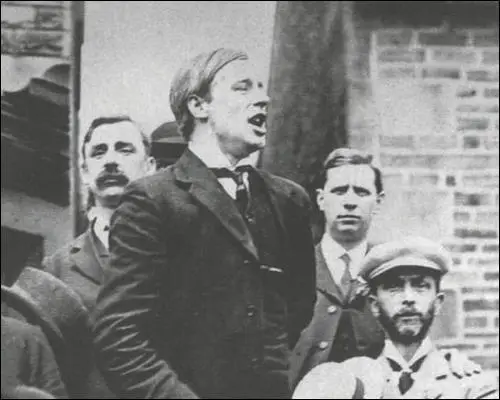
x=332, y=251
x=390, y=351
x=100, y=224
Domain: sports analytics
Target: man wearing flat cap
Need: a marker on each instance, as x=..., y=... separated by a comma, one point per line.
x=404, y=279
x=343, y=326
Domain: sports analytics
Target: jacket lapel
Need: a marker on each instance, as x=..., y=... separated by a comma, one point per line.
x=85, y=259
x=325, y=282
x=359, y=285
x=205, y=188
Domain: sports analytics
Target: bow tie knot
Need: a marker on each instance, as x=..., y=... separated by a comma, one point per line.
x=406, y=380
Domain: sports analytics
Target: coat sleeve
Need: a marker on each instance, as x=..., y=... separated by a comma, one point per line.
x=128, y=303
x=44, y=370
x=302, y=278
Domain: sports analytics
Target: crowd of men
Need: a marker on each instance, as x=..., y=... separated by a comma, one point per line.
x=202, y=279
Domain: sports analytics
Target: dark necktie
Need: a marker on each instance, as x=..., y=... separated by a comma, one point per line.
x=405, y=379
x=345, y=280
x=242, y=193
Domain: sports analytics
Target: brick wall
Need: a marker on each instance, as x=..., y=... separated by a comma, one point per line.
x=424, y=101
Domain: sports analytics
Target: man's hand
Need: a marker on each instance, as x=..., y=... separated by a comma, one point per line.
x=459, y=363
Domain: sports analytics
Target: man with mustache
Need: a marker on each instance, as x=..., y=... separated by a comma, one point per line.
x=211, y=275
x=404, y=279
x=114, y=152
x=343, y=326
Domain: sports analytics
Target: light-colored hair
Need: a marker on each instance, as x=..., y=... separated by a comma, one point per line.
x=194, y=79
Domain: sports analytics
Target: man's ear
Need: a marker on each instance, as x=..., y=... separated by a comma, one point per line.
x=320, y=198
x=374, y=306
x=84, y=173
x=438, y=302
x=379, y=202
x=197, y=106
x=150, y=165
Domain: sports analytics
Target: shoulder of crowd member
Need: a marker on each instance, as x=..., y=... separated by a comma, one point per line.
x=293, y=189
x=482, y=385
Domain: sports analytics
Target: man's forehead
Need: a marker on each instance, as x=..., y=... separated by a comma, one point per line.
x=406, y=274
x=124, y=131
x=345, y=174
x=239, y=70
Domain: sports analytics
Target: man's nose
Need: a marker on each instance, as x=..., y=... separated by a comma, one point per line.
x=261, y=98
x=111, y=166
x=350, y=201
x=408, y=295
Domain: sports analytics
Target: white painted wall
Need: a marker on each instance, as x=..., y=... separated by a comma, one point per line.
x=132, y=50
x=37, y=216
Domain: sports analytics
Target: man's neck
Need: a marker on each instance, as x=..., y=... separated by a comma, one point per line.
x=204, y=138
x=408, y=351
x=103, y=213
x=347, y=244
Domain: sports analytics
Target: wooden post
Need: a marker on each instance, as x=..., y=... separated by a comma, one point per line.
x=77, y=19
x=307, y=89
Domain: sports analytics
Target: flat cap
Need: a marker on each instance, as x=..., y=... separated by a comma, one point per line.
x=407, y=252
x=356, y=378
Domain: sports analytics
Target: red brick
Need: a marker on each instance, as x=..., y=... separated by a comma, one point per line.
x=451, y=181
x=466, y=92
x=401, y=55
x=442, y=39
x=399, y=142
x=397, y=72
x=480, y=290
x=487, y=362
x=486, y=39
x=482, y=76
x=461, y=216
x=490, y=346
x=480, y=305
x=459, y=56
x=424, y=179
x=496, y=321
x=487, y=217
x=484, y=262
x=491, y=92
x=400, y=37
x=491, y=248
x=475, y=124
x=437, y=142
x=461, y=248
x=449, y=162
x=491, y=143
x=467, y=233
x=490, y=108
x=481, y=335
x=473, y=199
x=490, y=57
x=491, y=276
x=472, y=142
x=483, y=180
x=458, y=346
x=441, y=73
x=476, y=322
x=468, y=108
x=456, y=261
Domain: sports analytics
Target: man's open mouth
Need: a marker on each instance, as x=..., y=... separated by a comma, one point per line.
x=112, y=180
x=258, y=121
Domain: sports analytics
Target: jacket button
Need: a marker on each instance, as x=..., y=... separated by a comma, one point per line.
x=323, y=345
x=246, y=262
x=331, y=309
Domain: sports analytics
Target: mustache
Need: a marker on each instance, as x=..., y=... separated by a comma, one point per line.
x=408, y=313
x=120, y=178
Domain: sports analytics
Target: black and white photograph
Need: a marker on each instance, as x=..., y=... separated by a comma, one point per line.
x=250, y=200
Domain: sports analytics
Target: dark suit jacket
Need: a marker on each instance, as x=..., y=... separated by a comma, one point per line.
x=315, y=343
x=80, y=265
x=180, y=313
x=27, y=359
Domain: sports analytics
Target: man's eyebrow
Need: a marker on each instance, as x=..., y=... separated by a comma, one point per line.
x=246, y=81
x=121, y=144
x=99, y=146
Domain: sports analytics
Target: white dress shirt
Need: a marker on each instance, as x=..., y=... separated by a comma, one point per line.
x=99, y=221
x=332, y=251
x=213, y=157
